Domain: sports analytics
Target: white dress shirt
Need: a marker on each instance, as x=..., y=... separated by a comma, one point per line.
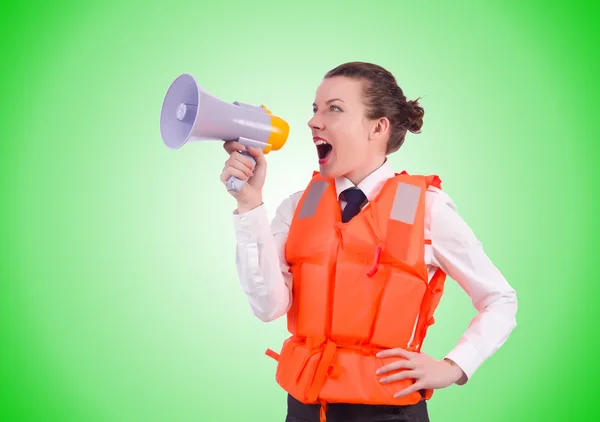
x=265, y=278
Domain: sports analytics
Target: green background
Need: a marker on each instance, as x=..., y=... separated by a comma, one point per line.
x=120, y=298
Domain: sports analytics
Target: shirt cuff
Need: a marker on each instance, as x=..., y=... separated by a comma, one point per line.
x=251, y=226
x=467, y=357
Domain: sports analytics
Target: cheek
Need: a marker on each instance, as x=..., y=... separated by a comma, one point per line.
x=349, y=138
x=351, y=148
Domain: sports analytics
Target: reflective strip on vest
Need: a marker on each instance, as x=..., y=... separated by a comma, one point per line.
x=406, y=202
x=312, y=198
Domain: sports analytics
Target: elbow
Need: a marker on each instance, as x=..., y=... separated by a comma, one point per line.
x=511, y=305
x=268, y=314
x=274, y=314
x=515, y=310
x=268, y=308
x=514, y=302
x=262, y=315
x=504, y=305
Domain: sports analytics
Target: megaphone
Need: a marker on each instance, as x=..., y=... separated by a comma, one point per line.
x=189, y=113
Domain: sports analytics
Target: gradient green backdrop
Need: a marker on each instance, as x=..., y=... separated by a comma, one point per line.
x=120, y=298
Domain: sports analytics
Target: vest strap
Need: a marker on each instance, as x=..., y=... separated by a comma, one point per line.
x=321, y=371
x=424, y=319
x=273, y=354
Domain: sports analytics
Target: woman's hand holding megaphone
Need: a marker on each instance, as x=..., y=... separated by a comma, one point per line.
x=237, y=165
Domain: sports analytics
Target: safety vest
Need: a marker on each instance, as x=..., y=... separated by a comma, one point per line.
x=358, y=288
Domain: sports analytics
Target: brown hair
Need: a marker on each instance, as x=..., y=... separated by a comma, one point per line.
x=384, y=98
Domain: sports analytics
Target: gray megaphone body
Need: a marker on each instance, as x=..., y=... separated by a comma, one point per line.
x=189, y=113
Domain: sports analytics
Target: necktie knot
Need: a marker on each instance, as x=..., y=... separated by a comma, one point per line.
x=355, y=199
x=354, y=196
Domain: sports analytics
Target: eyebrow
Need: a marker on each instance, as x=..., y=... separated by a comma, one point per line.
x=330, y=101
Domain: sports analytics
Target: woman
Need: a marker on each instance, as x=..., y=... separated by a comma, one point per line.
x=358, y=262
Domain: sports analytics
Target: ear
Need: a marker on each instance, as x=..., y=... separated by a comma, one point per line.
x=380, y=129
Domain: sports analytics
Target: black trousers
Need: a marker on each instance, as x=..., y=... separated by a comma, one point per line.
x=340, y=412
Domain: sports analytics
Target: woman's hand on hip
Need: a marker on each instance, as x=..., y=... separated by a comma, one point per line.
x=428, y=373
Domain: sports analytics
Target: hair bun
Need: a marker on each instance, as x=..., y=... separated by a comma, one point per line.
x=414, y=121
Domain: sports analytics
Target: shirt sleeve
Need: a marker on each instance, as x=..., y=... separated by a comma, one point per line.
x=458, y=252
x=260, y=259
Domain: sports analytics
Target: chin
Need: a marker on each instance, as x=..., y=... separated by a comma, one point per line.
x=329, y=171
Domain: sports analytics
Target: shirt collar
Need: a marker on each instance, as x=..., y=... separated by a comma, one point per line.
x=371, y=185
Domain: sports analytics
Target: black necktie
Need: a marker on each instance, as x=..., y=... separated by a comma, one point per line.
x=355, y=199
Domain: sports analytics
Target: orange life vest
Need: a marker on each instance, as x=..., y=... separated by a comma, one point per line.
x=358, y=288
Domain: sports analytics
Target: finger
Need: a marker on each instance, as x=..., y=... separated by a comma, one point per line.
x=258, y=154
x=230, y=171
x=409, y=390
x=395, y=352
x=232, y=146
x=238, y=156
x=399, y=364
x=239, y=164
x=399, y=376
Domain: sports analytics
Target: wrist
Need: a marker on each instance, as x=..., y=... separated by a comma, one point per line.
x=244, y=206
x=458, y=373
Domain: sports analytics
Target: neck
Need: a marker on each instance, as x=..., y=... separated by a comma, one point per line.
x=358, y=175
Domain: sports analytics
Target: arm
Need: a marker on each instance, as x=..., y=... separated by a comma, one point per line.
x=260, y=259
x=458, y=252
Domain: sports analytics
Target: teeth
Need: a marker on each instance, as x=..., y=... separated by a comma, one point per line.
x=320, y=142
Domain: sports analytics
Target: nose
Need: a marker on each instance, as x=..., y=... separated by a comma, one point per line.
x=315, y=123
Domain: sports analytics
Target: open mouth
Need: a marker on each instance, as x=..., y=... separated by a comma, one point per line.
x=323, y=149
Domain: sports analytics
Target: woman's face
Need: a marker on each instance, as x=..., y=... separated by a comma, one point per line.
x=341, y=132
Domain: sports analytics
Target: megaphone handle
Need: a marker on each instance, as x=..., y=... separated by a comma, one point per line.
x=233, y=183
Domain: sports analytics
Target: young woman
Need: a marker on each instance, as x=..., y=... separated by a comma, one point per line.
x=358, y=261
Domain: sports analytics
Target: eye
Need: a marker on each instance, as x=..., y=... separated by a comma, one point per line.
x=335, y=108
